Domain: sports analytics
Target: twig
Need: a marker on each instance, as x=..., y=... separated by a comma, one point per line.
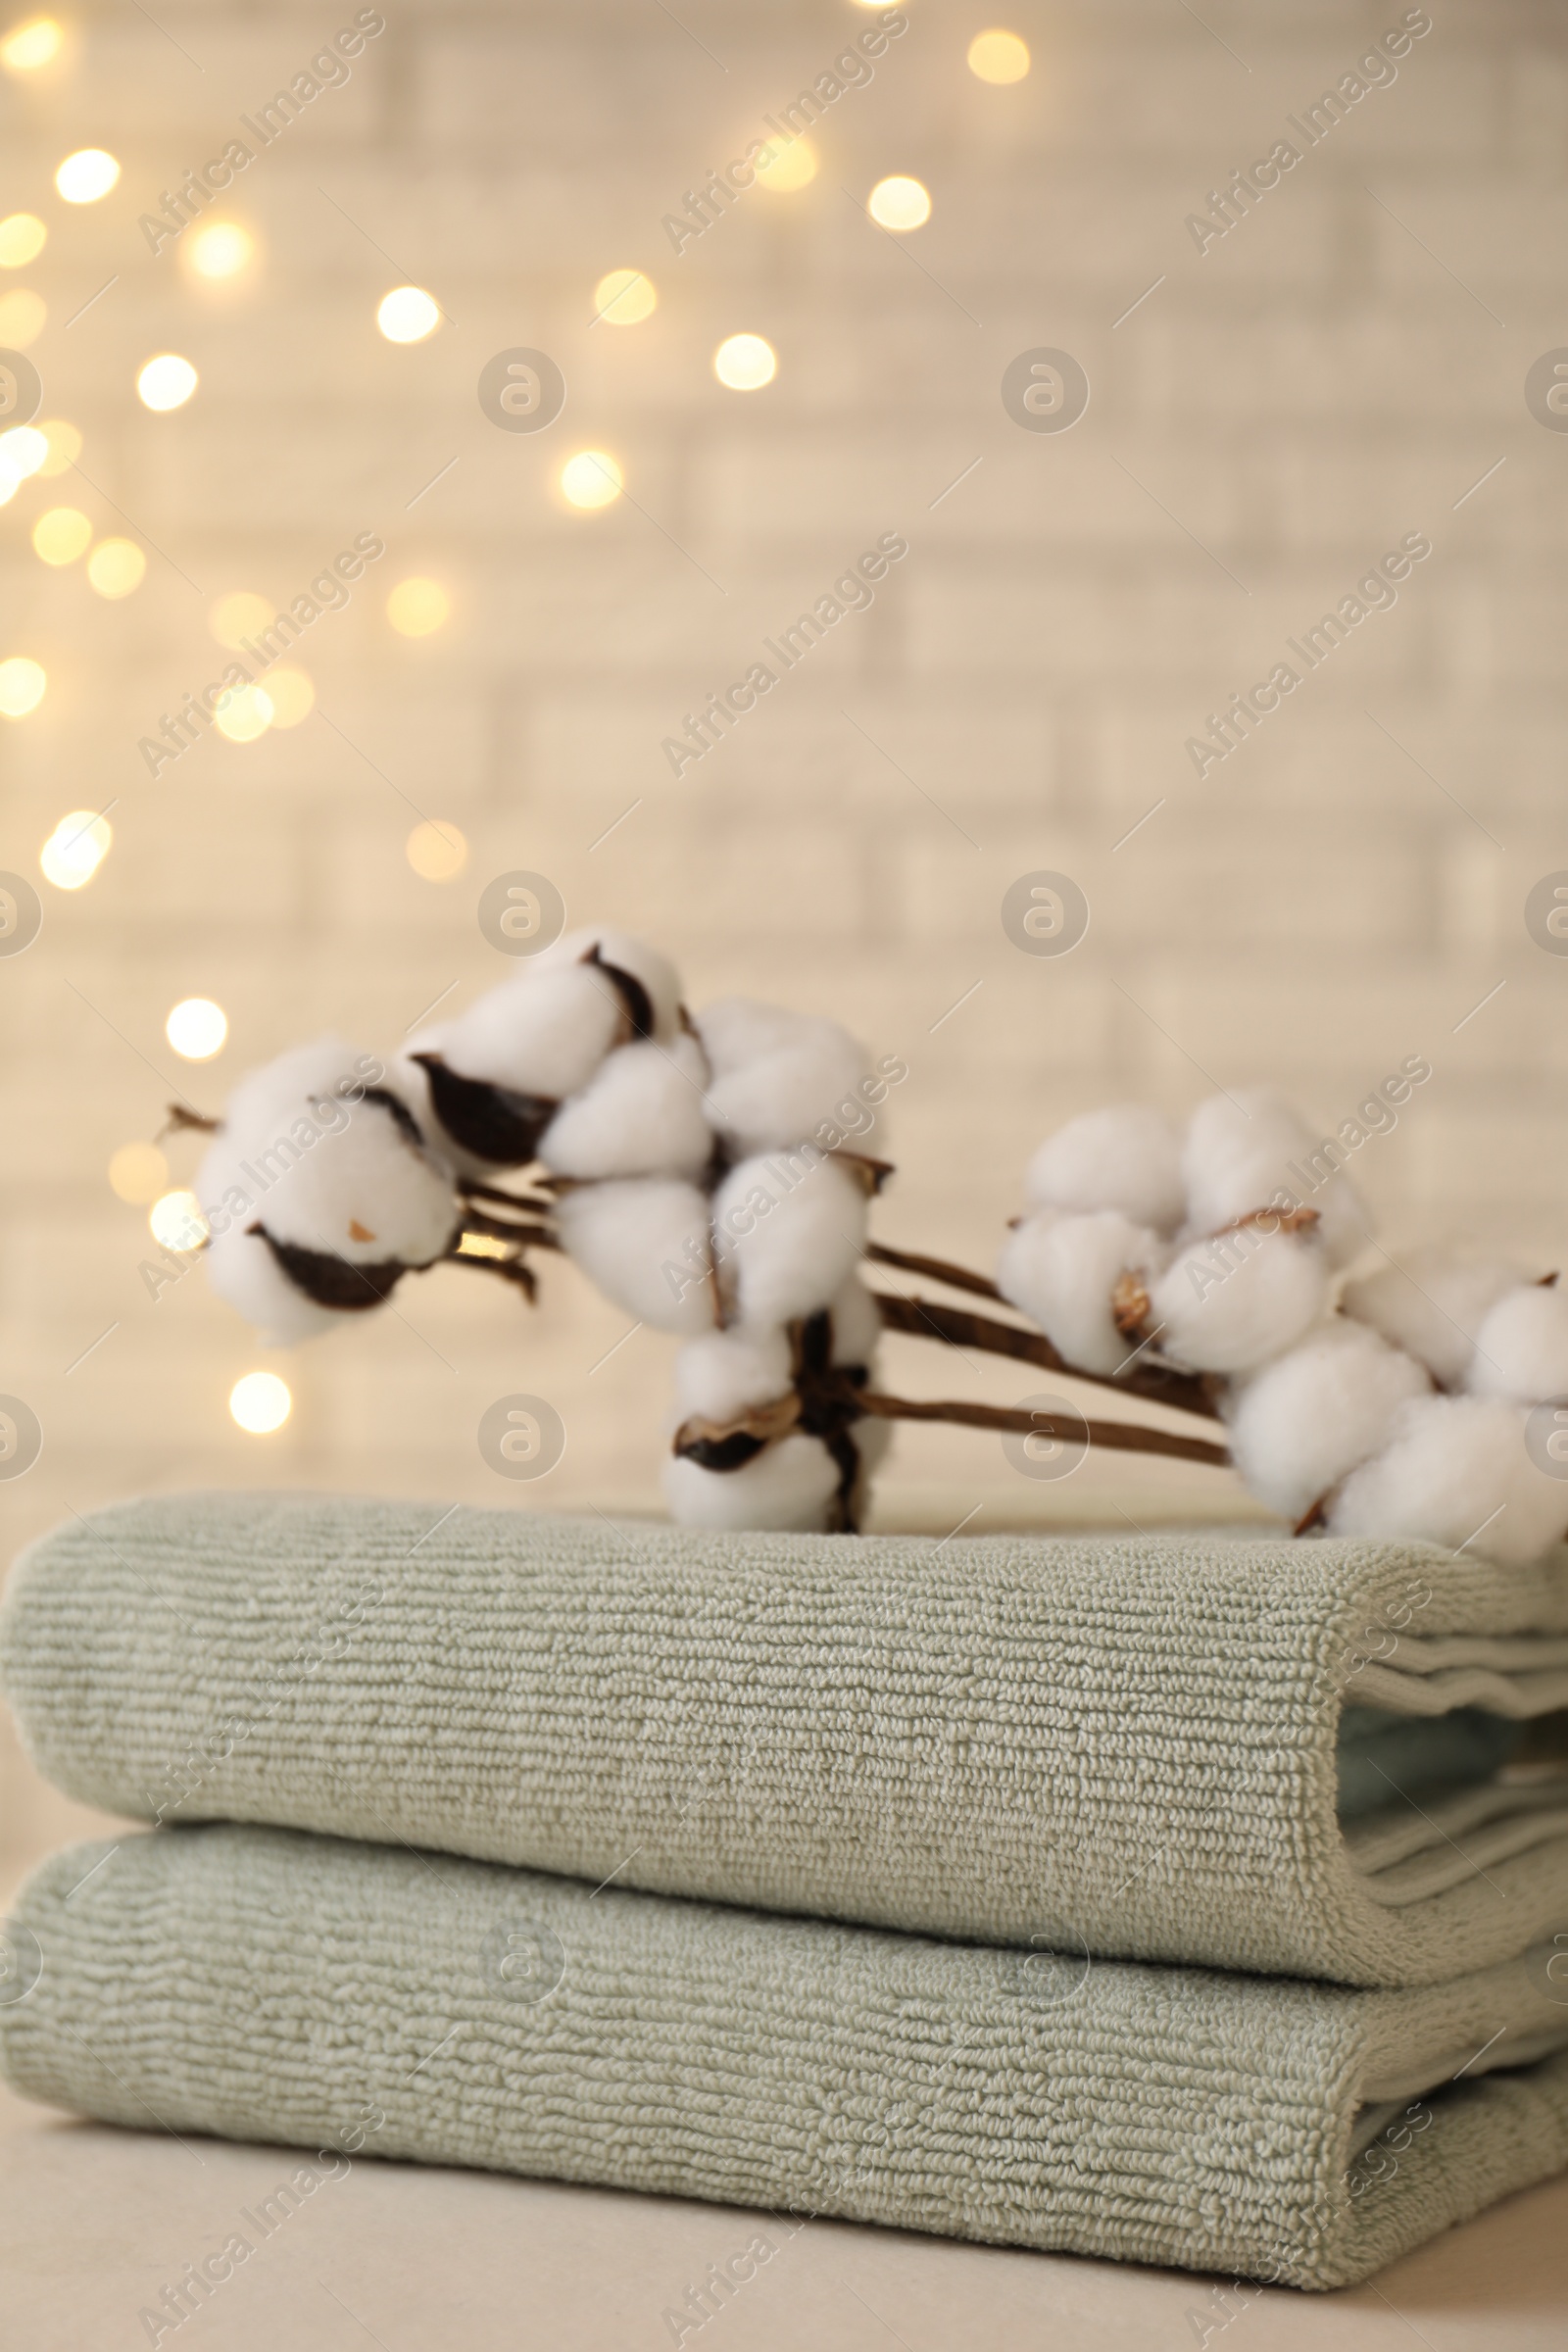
x=1116, y=1437
x=936, y=1269
x=961, y=1327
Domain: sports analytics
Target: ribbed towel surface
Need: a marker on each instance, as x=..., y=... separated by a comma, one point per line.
x=1123, y=1746
x=270, y=1985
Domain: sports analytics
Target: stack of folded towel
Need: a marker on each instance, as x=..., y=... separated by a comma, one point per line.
x=1187, y=1900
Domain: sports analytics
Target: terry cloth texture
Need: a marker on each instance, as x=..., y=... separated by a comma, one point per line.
x=1128, y=1747
x=270, y=1985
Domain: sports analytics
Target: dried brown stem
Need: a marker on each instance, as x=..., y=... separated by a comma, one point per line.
x=935, y=1269
x=961, y=1327
x=1116, y=1437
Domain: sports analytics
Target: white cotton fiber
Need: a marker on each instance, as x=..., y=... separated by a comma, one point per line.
x=1239, y=1154
x=654, y=972
x=247, y=1277
x=1062, y=1270
x=1521, y=1349
x=328, y=1066
x=640, y=1114
x=856, y=1324
x=542, y=1033
x=1230, y=1304
x=1455, y=1472
x=1433, y=1304
x=790, y=1230
x=644, y=1242
x=362, y=1190
x=1126, y=1157
x=789, y=1484
x=779, y=1076
x=725, y=1373
x=1307, y=1418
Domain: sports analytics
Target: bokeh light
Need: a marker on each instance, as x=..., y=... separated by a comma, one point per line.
x=437, y=853
x=63, y=446
x=783, y=169
x=177, y=1221
x=165, y=383
x=22, y=236
x=290, y=693
x=76, y=849
x=27, y=47
x=591, y=478
x=219, y=249
x=22, y=314
x=116, y=568
x=900, y=202
x=23, y=451
x=242, y=713
x=86, y=176
x=418, y=607
x=261, y=1403
x=238, y=615
x=22, y=686
x=622, y=297
x=62, y=535
x=196, y=1028
x=998, y=57
x=137, y=1173
x=408, y=315
x=745, y=362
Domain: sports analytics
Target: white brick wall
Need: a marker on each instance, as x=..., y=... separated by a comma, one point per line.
x=1313, y=386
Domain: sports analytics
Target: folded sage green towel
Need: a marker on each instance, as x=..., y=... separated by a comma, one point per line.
x=1123, y=1746
x=270, y=1985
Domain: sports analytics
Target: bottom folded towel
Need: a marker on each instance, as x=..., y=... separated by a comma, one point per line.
x=270, y=1985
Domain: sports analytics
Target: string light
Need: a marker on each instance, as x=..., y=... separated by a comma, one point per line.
x=783, y=169
x=116, y=568
x=62, y=535
x=86, y=176
x=196, y=1028
x=408, y=315
x=31, y=45
x=219, y=249
x=417, y=607
x=436, y=852
x=165, y=383
x=745, y=362
x=622, y=297
x=21, y=318
x=260, y=1402
x=998, y=57
x=291, y=694
x=899, y=204
x=22, y=686
x=21, y=237
x=137, y=1173
x=64, y=446
x=243, y=713
x=590, y=479
x=176, y=1222
x=76, y=849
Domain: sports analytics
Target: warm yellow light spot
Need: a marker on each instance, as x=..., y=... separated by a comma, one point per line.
x=116, y=566
x=165, y=383
x=436, y=852
x=786, y=168
x=177, y=1221
x=64, y=446
x=484, y=1245
x=998, y=55
x=591, y=478
x=137, y=1173
x=745, y=362
x=899, y=202
x=291, y=694
x=62, y=535
x=417, y=607
x=22, y=236
x=86, y=176
x=23, y=451
x=76, y=849
x=31, y=45
x=261, y=1403
x=408, y=315
x=239, y=615
x=22, y=686
x=218, y=249
x=21, y=318
x=196, y=1028
x=242, y=713
x=624, y=296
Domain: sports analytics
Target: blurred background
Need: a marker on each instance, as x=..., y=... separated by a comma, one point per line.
x=212, y=392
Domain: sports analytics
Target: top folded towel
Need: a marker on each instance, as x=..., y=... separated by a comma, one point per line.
x=1130, y=1747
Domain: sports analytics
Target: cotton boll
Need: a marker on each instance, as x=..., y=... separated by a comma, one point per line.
x=725, y=1374
x=779, y=1076
x=367, y=1192
x=790, y=1230
x=644, y=1242
x=1434, y=1306
x=856, y=1324
x=544, y=1033
x=1521, y=1349
x=640, y=1114
x=1241, y=1155
x=793, y=1484
x=1230, y=1304
x=1126, y=1157
x=1455, y=1471
x=1308, y=1417
x=247, y=1277
x=328, y=1068
x=650, y=971
x=1062, y=1271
